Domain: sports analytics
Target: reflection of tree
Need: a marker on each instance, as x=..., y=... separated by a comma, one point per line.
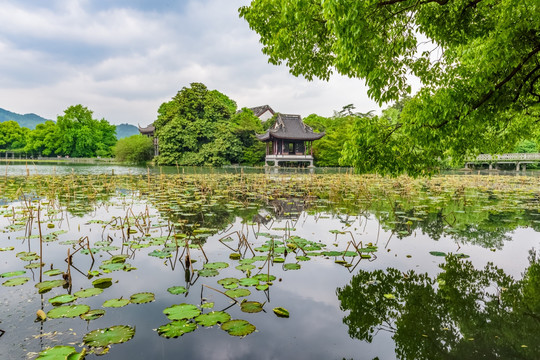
x=462, y=313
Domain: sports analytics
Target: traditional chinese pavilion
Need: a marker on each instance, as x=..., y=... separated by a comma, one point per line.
x=289, y=139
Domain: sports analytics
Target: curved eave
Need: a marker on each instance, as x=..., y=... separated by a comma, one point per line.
x=263, y=137
x=304, y=137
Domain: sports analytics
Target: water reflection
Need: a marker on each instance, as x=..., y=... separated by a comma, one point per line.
x=462, y=313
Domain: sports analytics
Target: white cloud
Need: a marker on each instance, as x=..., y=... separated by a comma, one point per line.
x=124, y=62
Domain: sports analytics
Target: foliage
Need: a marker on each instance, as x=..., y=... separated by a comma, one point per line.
x=478, y=68
x=245, y=125
x=328, y=150
x=77, y=134
x=134, y=149
x=12, y=136
x=193, y=128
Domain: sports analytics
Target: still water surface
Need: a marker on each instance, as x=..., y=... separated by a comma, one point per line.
x=402, y=300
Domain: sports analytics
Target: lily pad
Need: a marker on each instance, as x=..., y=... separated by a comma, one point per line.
x=16, y=281
x=281, y=312
x=86, y=293
x=68, y=311
x=102, y=283
x=176, y=328
x=264, y=277
x=216, y=265
x=251, y=306
x=53, y=272
x=93, y=314
x=142, y=298
x=60, y=353
x=236, y=293
x=208, y=272
x=116, y=303
x=249, y=282
x=177, y=290
x=62, y=299
x=437, y=253
x=213, y=318
x=245, y=267
x=238, y=327
x=113, y=335
x=182, y=311
x=45, y=286
x=13, y=273
x=291, y=266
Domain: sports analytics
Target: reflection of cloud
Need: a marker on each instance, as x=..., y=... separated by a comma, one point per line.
x=124, y=58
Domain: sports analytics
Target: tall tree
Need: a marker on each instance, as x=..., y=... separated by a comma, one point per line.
x=12, y=136
x=77, y=134
x=193, y=128
x=478, y=62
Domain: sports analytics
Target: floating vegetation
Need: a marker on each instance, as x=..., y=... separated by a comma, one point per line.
x=238, y=327
x=68, y=311
x=108, y=336
x=228, y=242
x=61, y=352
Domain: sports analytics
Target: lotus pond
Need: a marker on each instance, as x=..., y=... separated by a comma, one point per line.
x=244, y=266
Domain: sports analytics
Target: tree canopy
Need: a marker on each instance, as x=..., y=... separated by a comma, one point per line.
x=478, y=62
x=201, y=127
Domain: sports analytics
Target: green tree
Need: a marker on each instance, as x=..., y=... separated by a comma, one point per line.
x=12, y=136
x=41, y=140
x=194, y=128
x=78, y=134
x=244, y=125
x=477, y=61
x=134, y=149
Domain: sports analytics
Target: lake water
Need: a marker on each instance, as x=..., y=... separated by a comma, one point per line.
x=367, y=267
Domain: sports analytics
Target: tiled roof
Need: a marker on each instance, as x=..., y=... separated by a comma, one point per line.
x=259, y=110
x=290, y=127
x=147, y=130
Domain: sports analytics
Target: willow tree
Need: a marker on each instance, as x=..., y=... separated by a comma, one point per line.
x=477, y=61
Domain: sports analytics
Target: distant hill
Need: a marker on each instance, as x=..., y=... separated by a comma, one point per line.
x=32, y=120
x=27, y=120
x=126, y=130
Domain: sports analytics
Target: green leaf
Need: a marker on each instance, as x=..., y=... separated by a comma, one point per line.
x=86, y=293
x=238, y=327
x=112, y=335
x=182, y=311
x=236, y=293
x=251, y=306
x=142, y=298
x=68, y=311
x=62, y=299
x=176, y=328
x=213, y=318
x=281, y=312
x=177, y=290
x=116, y=303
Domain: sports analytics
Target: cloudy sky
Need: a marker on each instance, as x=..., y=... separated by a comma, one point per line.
x=123, y=58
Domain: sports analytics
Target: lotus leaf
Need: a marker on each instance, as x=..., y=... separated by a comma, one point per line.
x=12, y=273
x=279, y=260
x=281, y=312
x=208, y=272
x=113, y=335
x=207, y=305
x=16, y=281
x=45, y=286
x=238, y=327
x=291, y=266
x=350, y=253
x=245, y=267
x=249, y=282
x=102, y=283
x=437, y=253
x=160, y=254
x=228, y=281
x=264, y=277
x=368, y=249
x=34, y=265
x=93, y=314
x=213, y=318
x=262, y=287
x=53, y=272
x=62, y=299
x=68, y=311
x=61, y=353
x=235, y=256
x=177, y=290
x=176, y=328
x=259, y=258
x=86, y=293
x=116, y=303
x=27, y=256
x=236, y=293
x=9, y=248
x=142, y=298
x=246, y=261
x=216, y=265
x=303, y=258
x=182, y=311
x=251, y=306
x=332, y=253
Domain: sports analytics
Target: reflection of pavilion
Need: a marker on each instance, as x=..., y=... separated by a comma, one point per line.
x=288, y=140
x=284, y=209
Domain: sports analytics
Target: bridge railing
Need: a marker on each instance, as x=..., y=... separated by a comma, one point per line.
x=506, y=157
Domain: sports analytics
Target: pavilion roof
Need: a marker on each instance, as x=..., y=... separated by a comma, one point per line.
x=290, y=127
x=147, y=130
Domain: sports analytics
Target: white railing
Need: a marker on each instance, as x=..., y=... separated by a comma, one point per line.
x=507, y=157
